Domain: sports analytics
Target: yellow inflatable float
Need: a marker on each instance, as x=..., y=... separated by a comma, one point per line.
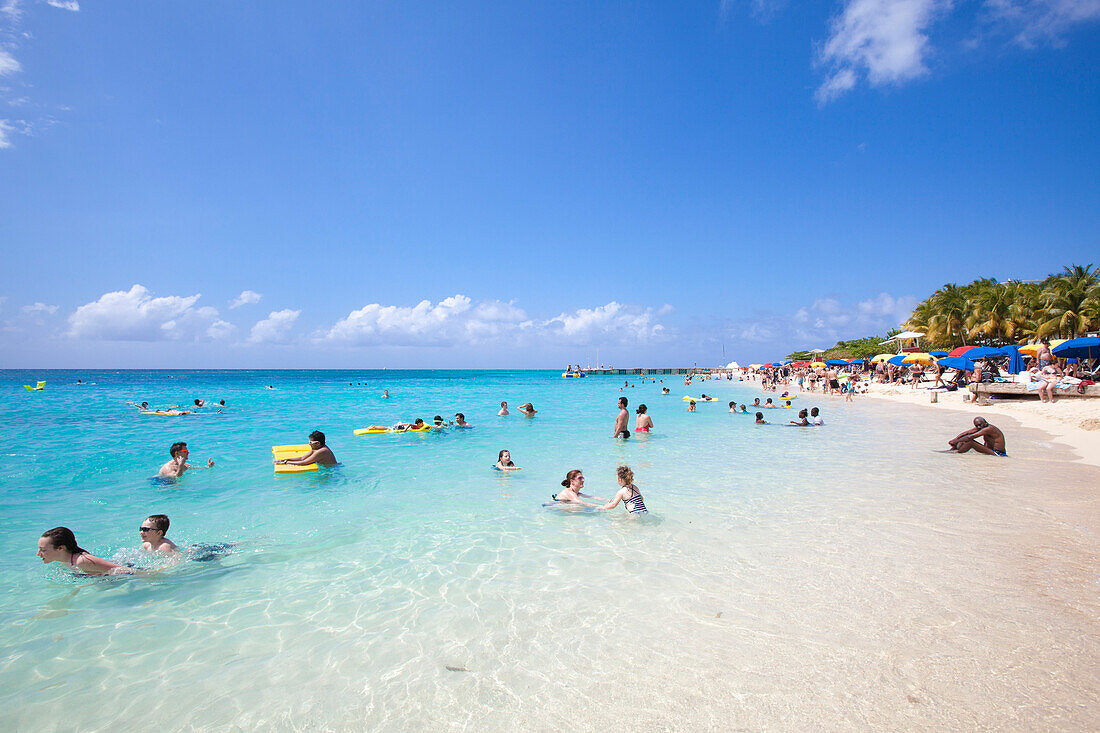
x=280, y=452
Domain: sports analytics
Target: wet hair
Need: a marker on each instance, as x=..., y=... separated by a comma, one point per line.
x=767, y=400
x=176, y=448
x=500, y=456
x=692, y=403
x=144, y=404
x=759, y=416
x=64, y=538
x=418, y=421
x=570, y=476
x=802, y=413
x=733, y=404
x=198, y=403
x=623, y=473
x=222, y=403
x=814, y=411
x=623, y=402
x=460, y=416
x=159, y=521
x=317, y=437
x=641, y=409
x=504, y=403
x=438, y=418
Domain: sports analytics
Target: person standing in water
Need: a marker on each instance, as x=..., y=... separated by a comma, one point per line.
x=176, y=467
x=318, y=453
x=643, y=423
x=628, y=493
x=503, y=409
x=620, y=420
x=59, y=545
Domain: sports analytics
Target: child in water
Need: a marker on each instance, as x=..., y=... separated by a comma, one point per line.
x=153, y=530
x=504, y=462
x=628, y=493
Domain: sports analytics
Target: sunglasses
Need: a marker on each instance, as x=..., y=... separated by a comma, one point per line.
x=146, y=529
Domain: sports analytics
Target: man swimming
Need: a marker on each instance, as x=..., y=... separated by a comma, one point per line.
x=318, y=453
x=621, y=430
x=993, y=439
x=176, y=467
x=760, y=419
x=152, y=531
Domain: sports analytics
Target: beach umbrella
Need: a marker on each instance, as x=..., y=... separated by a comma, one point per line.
x=788, y=361
x=919, y=358
x=818, y=364
x=959, y=351
x=858, y=361
x=956, y=362
x=897, y=360
x=1033, y=349
x=1015, y=361
x=1086, y=347
x=939, y=354
x=882, y=357
x=755, y=366
x=837, y=362
x=982, y=352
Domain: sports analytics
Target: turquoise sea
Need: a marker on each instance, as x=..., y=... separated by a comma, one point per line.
x=845, y=577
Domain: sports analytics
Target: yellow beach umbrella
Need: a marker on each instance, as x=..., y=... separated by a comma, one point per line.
x=1033, y=349
x=755, y=366
x=919, y=358
x=883, y=357
x=818, y=364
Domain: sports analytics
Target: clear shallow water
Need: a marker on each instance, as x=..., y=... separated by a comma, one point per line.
x=838, y=578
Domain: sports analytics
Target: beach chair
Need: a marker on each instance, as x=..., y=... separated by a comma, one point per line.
x=39, y=386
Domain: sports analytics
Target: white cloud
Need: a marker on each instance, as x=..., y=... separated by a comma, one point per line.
x=220, y=330
x=275, y=328
x=39, y=308
x=72, y=5
x=8, y=63
x=247, y=297
x=1037, y=21
x=456, y=320
x=135, y=315
x=884, y=40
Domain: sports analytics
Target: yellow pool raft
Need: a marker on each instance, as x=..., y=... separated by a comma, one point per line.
x=380, y=431
x=280, y=452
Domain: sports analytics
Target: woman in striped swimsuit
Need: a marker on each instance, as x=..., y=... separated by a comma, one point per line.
x=628, y=493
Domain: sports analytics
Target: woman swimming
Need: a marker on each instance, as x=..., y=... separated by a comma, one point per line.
x=628, y=493
x=571, y=494
x=528, y=410
x=504, y=462
x=59, y=545
x=644, y=422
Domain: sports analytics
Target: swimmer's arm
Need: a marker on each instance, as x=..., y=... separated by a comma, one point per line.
x=305, y=460
x=589, y=496
x=615, y=502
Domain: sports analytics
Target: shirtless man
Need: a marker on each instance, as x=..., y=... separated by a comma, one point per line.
x=175, y=467
x=992, y=437
x=153, y=530
x=318, y=452
x=621, y=430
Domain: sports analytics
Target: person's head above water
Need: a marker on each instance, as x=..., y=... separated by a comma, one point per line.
x=438, y=419
x=460, y=417
x=641, y=409
x=177, y=448
x=154, y=524
x=56, y=543
x=802, y=413
x=733, y=404
x=418, y=421
x=814, y=411
x=504, y=458
x=574, y=478
x=624, y=475
x=504, y=404
x=317, y=437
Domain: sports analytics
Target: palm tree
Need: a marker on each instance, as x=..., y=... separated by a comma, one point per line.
x=1068, y=302
x=950, y=306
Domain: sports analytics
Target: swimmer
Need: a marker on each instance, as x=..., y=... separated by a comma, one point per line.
x=318, y=453
x=787, y=405
x=620, y=430
x=643, y=423
x=733, y=407
x=504, y=462
x=573, y=483
x=59, y=545
x=528, y=410
x=801, y=421
x=176, y=467
x=200, y=403
x=743, y=410
x=760, y=419
x=628, y=493
x=691, y=406
x=503, y=409
x=756, y=402
x=439, y=423
x=142, y=406
x=664, y=390
x=993, y=440
x=152, y=532
x=815, y=418
x=385, y=393
x=460, y=421
x=768, y=403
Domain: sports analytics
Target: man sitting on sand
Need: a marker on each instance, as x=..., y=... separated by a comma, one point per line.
x=176, y=467
x=991, y=435
x=318, y=453
x=153, y=530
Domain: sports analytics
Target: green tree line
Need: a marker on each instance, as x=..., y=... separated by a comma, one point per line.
x=987, y=312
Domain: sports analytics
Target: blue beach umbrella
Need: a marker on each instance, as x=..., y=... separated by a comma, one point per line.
x=956, y=362
x=1086, y=347
x=982, y=352
x=1015, y=361
x=836, y=362
x=939, y=354
x=858, y=361
x=898, y=360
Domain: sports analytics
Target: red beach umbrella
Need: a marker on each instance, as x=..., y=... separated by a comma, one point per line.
x=960, y=351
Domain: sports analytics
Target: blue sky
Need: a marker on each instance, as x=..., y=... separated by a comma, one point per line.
x=513, y=184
